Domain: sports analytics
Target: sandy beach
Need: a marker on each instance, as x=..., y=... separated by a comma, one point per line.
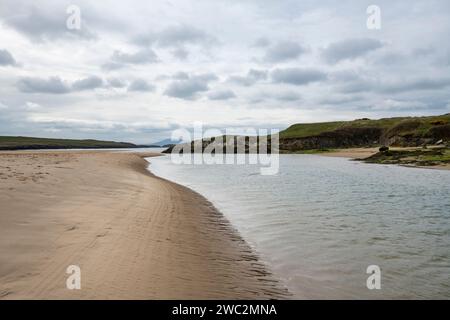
x=134, y=236
x=353, y=153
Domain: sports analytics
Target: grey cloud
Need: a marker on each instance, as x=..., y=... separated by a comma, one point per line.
x=121, y=59
x=414, y=85
x=180, y=75
x=207, y=77
x=56, y=85
x=109, y=66
x=356, y=86
x=288, y=96
x=141, y=85
x=221, y=95
x=424, y=51
x=39, y=85
x=252, y=77
x=280, y=97
x=283, y=51
x=179, y=35
x=88, y=83
x=45, y=23
x=344, y=76
x=185, y=89
x=116, y=83
x=391, y=58
x=6, y=58
x=297, y=76
x=188, y=88
x=261, y=42
x=176, y=36
x=339, y=100
x=139, y=57
x=180, y=53
x=350, y=49
x=352, y=82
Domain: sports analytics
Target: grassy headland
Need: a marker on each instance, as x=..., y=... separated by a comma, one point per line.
x=24, y=143
x=403, y=126
x=412, y=132
x=401, y=132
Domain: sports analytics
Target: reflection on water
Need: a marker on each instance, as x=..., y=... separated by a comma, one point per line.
x=322, y=221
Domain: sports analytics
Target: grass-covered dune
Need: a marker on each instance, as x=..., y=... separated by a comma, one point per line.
x=400, y=131
x=24, y=143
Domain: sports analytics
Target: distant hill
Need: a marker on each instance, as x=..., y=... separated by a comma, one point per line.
x=166, y=142
x=24, y=143
x=401, y=131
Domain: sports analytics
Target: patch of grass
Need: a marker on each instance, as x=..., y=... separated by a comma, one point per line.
x=443, y=157
x=419, y=157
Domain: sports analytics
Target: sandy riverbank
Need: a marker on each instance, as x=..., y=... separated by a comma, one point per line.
x=353, y=153
x=134, y=236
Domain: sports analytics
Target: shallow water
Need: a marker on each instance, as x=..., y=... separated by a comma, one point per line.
x=322, y=221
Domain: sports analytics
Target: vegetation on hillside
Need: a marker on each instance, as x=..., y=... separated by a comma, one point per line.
x=401, y=132
x=402, y=126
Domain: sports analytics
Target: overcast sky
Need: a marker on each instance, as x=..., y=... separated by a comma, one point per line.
x=136, y=70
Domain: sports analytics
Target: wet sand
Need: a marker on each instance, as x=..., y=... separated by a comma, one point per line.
x=134, y=235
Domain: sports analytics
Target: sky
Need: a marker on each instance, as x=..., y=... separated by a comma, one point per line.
x=137, y=70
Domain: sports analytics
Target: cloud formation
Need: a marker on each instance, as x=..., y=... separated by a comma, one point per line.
x=6, y=58
x=221, y=95
x=176, y=36
x=141, y=85
x=44, y=22
x=88, y=83
x=121, y=59
x=55, y=85
x=116, y=83
x=253, y=76
x=52, y=85
x=297, y=76
x=283, y=51
x=188, y=88
x=140, y=57
x=350, y=49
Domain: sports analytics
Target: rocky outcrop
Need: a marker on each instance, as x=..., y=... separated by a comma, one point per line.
x=341, y=138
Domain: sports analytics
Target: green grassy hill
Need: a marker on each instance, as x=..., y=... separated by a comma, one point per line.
x=403, y=132
x=23, y=143
x=416, y=126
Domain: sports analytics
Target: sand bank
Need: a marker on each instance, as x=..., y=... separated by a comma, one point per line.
x=134, y=236
x=353, y=153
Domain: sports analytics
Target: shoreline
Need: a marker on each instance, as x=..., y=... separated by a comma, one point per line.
x=134, y=235
x=362, y=153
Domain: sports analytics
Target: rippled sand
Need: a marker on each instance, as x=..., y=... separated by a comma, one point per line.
x=134, y=236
